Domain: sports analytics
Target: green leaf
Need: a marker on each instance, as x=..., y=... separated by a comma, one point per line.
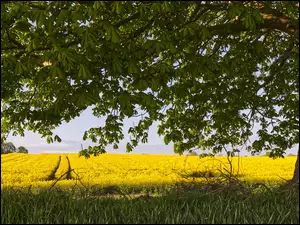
x=168, y=6
x=80, y=72
x=109, y=33
x=86, y=72
x=61, y=73
x=116, y=67
x=114, y=35
x=18, y=68
x=49, y=25
x=35, y=43
x=142, y=12
x=29, y=47
x=82, y=102
x=79, y=30
x=185, y=32
x=97, y=5
x=49, y=139
x=54, y=72
x=41, y=19
x=132, y=68
x=92, y=41
x=77, y=16
x=157, y=47
x=204, y=33
x=85, y=135
x=90, y=11
x=257, y=16
x=22, y=25
x=172, y=48
x=191, y=31
x=63, y=15
x=259, y=47
x=24, y=67
x=86, y=39
x=167, y=139
x=142, y=84
x=156, y=7
x=57, y=138
x=119, y=7
x=128, y=147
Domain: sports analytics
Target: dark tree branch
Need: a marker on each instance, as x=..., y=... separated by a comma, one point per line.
x=272, y=19
x=281, y=60
x=230, y=28
x=30, y=4
x=13, y=40
x=86, y=2
x=5, y=2
x=123, y=22
x=273, y=13
x=195, y=12
x=12, y=48
x=141, y=30
x=214, y=5
x=44, y=49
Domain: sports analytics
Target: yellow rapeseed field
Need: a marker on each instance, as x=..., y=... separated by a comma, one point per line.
x=24, y=170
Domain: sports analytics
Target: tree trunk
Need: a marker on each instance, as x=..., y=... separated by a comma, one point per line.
x=296, y=171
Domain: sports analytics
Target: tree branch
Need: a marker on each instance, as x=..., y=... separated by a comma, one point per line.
x=30, y=4
x=272, y=19
x=195, y=12
x=141, y=30
x=214, y=5
x=230, y=28
x=43, y=49
x=12, y=48
x=13, y=40
x=273, y=13
x=121, y=23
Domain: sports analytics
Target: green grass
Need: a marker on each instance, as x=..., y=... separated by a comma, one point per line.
x=196, y=206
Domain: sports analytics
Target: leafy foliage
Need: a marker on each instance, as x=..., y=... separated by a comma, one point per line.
x=8, y=148
x=206, y=70
x=22, y=149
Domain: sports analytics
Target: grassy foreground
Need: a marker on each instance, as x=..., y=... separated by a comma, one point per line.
x=60, y=206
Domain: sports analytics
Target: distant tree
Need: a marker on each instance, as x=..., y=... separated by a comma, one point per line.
x=193, y=153
x=22, y=149
x=7, y=148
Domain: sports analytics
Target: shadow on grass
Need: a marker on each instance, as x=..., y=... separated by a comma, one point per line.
x=177, y=205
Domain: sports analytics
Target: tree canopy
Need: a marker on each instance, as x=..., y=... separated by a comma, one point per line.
x=207, y=70
x=22, y=149
x=8, y=147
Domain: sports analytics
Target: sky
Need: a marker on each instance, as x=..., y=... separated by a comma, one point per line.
x=71, y=134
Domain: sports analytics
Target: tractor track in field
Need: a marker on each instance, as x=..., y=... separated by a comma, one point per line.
x=69, y=173
x=53, y=172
